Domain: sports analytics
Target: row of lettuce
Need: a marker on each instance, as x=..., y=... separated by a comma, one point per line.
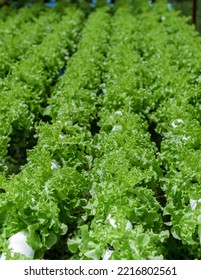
x=116, y=173
x=24, y=30
x=125, y=215
x=177, y=122
x=24, y=91
x=21, y=34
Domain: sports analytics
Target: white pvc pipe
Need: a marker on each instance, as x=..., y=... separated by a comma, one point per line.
x=18, y=244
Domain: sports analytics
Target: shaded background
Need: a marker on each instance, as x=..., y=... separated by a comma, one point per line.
x=186, y=6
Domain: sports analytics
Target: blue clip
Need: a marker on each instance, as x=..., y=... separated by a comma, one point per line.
x=110, y=4
x=170, y=6
x=51, y=4
x=92, y=4
x=151, y=3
